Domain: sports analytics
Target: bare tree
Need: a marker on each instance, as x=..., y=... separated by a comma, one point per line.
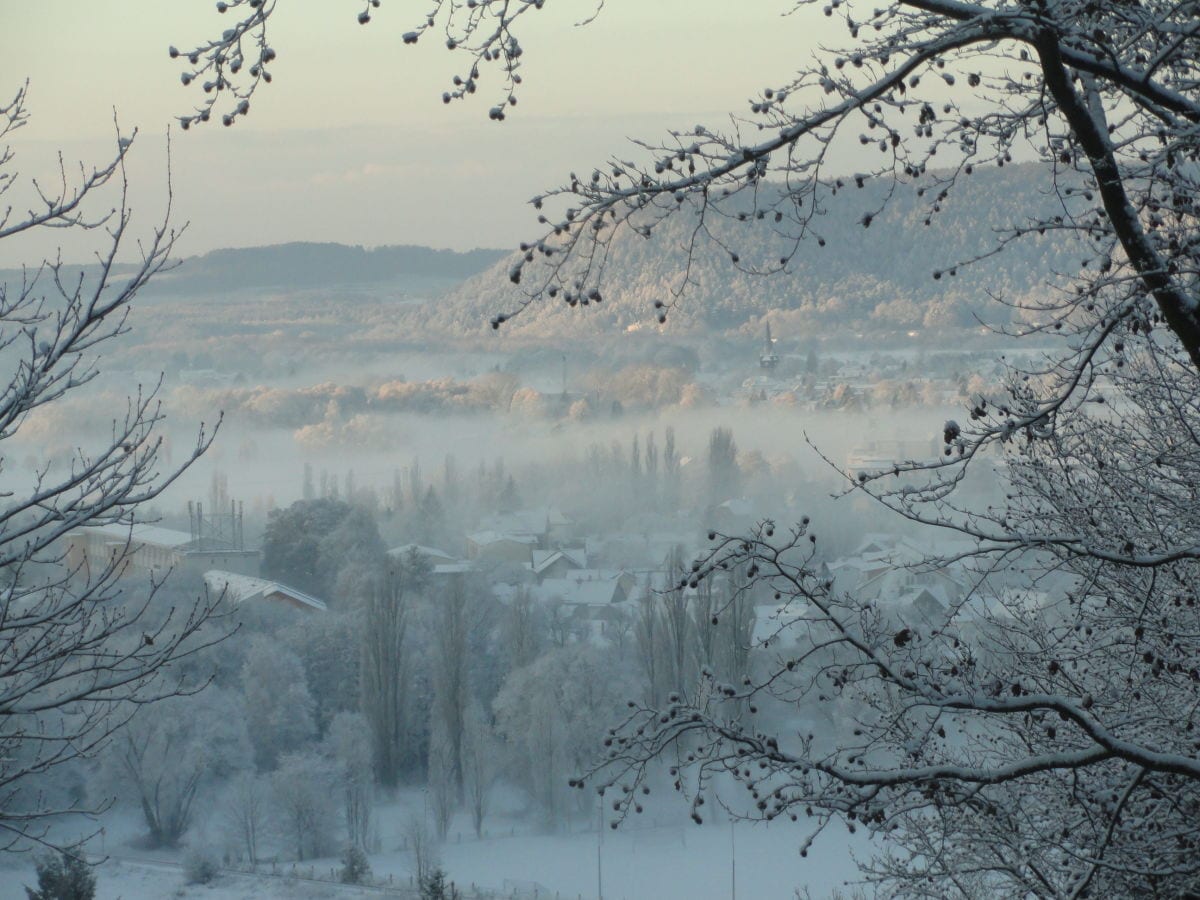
x=386, y=668
x=349, y=745
x=279, y=707
x=441, y=793
x=553, y=714
x=422, y=847
x=76, y=656
x=480, y=764
x=451, y=690
x=723, y=475
x=169, y=752
x=303, y=792
x=247, y=812
x=722, y=620
x=523, y=629
x=647, y=629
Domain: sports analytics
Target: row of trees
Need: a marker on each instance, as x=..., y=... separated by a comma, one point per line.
x=411, y=678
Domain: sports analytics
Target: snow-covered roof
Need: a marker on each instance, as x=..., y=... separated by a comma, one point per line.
x=428, y=552
x=530, y=521
x=738, y=506
x=1006, y=603
x=482, y=538
x=926, y=598
x=526, y=521
x=543, y=559
x=597, y=592
x=453, y=568
x=243, y=588
x=874, y=541
x=144, y=534
x=779, y=624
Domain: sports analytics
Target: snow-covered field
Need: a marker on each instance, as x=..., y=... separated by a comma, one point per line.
x=686, y=862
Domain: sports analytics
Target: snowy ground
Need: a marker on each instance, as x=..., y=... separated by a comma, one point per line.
x=692, y=862
x=684, y=861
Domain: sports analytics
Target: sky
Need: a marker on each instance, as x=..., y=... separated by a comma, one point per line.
x=351, y=142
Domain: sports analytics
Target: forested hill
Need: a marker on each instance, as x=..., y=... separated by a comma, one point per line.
x=299, y=266
x=864, y=279
x=307, y=265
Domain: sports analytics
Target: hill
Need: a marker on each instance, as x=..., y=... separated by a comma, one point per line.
x=862, y=280
x=303, y=266
x=308, y=265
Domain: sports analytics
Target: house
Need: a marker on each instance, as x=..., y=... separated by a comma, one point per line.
x=591, y=607
x=431, y=555
x=886, y=566
x=595, y=593
x=239, y=589
x=640, y=550
x=733, y=516
x=497, y=546
x=781, y=626
x=151, y=550
x=441, y=564
x=925, y=605
x=546, y=524
x=557, y=563
x=588, y=594
x=447, y=570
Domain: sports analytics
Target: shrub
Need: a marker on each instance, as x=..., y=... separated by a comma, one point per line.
x=200, y=866
x=65, y=876
x=434, y=886
x=356, y=869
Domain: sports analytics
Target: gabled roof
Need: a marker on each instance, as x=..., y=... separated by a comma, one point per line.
x=483, y=538
x=529, y=521
x=243, y=588
x=600, y=592
x=453, y=568
x=874, y=542
x=544, y=559
x=779, y=624
x=431, y=553
x=738, y=506
x=526, y=521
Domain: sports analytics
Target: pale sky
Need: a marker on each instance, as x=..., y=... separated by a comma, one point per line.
x=351, y=142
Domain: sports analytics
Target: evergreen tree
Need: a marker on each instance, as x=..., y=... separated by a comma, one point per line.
x=509, y=500
x=670, y=471
x=722, y=465
x=65, y=876
x=431, y=519
x=434, y=886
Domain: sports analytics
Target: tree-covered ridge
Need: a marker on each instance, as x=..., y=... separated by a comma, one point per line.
x=300, y=265
x=843, y=275
x=308, y=265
